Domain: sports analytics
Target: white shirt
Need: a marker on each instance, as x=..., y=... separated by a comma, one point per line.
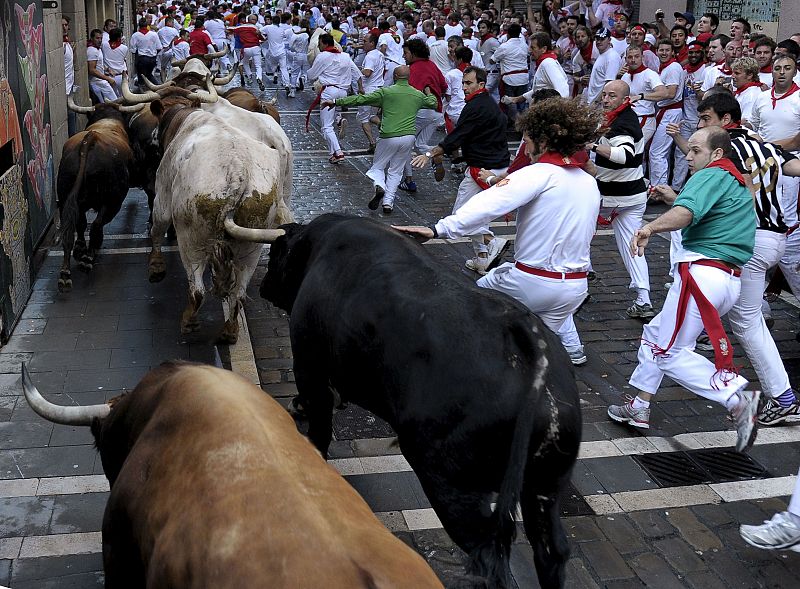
x=673, y=75
x=556, y=216
x=643, y=82
x=747, y=100
x=487, y=49
x=167, y=36
x=333, y=69
x=765, y=78
x=69, y=67
x=216, y=30
x=472, y=43
x=690, y=101
x=512, y=56
x=779, y=122
x=274, y=38
x=549, y=74
x=376, y=63
x=95, y=54
x=450, y=31
x=180, y=50
x=394, y=50
x=148, y=44
x=440, y=57
x=710, y=76
x=455, y=91
x=620, y=45
x=115, y=58
x=605, y=69
x=650, y=60
x=299, y=43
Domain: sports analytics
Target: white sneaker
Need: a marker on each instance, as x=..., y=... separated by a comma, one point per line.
x=496, y=248
x=779, y=533
x=291, y=93
x=477, y=264
x=577, y=356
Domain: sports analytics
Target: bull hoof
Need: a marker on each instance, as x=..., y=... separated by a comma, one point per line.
x=157, y=276
x=79, y=251
x=64, y=284
x=228, y=338
x=85, y=265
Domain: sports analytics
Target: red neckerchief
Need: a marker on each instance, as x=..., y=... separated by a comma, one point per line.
x=728, y=166
x=586, y=53
x=647, y=47
x=683, y=54
x=462, y=66
x=557, y=159
x=693, y=68
x=332, y=49
x=114, y=44
x=617, y=35
x=547, y=55
x=66, y=38
x=486, y=37
x=616, y=2
x=725, y=69
x=664, y=66
x=730, y=126
x=792, y=89
x=474, y=94
x=767, y=69
x=144, y=30
x=639, y=69
x=613, y=114
x=178, y=41
x=746, y=86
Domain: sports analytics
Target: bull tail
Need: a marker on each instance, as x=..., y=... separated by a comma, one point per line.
x=70, y=208
x=493, y=559
x=224, y=275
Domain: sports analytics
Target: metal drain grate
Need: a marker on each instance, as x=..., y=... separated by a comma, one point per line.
x=573, y=504
x=673, y=469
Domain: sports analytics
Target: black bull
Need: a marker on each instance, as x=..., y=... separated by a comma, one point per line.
x=481, y=394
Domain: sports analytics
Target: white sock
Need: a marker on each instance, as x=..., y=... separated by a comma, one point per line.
x=643, y=296
x=639, y=403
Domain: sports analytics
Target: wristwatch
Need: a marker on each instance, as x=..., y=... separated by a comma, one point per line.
x=642, y=95
x=428, y=154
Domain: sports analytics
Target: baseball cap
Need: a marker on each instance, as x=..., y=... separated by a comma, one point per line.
x=687, y=16
x=602, y=34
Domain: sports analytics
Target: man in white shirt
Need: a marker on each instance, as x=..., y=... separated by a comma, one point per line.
x=721, y=53
x=439, y=51
x=487, y=44
x=335, y=71
x=275, y=37
x=670, y=110
x=605, y=68
x=145, y=46
x=69, y=74
x=455, y=90
x=549, y=73
x=99, y=81
x=453, y=27
x=764, y=52
x=114, y=54
x=392, y=49
x=645, y=87
x=372, y=72
x=167, y=35
x=695, y=71
x=748, y=86
x=512, y=57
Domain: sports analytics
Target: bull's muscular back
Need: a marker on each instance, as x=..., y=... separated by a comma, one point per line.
x=222, y=491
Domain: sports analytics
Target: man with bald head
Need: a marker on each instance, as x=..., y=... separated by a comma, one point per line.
x=715, y=214
x=620, y=178
x=400, y=103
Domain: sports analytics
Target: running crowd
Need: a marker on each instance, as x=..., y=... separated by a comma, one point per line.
x=612, y=113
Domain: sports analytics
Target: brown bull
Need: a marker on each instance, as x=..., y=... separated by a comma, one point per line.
x=243, y=98
x=212, y=486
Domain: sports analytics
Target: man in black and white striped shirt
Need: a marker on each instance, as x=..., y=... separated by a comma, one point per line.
x=621, y=182
x=766, y=163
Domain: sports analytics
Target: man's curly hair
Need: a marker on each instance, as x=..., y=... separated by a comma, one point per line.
x=566, y=124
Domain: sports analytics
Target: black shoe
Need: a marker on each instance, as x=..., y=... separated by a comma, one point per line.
x=300, y=85
x=261, y=84
x=387, y=210
x=376, y=200
x=274, y=79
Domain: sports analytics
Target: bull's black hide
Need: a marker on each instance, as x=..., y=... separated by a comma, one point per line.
x=481, y=394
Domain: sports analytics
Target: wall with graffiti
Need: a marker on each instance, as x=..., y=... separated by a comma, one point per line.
x=27, y=195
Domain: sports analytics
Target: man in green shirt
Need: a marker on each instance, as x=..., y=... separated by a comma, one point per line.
x=400, y=103
x=715, y=214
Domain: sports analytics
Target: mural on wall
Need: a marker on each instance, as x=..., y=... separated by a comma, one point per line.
x=763, y=15
x=26, y=182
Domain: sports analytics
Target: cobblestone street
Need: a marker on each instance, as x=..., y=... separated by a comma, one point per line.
x=660, y=509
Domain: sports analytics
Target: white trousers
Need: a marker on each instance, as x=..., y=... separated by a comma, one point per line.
x=794, y=502
x=787, y=189
x=281, y=62
x=553, y=300
x=688, y=127
x=327, y=117
x=660, y=147
x=790, y=262
x=649, y=128
x=254, y=54
x=388, y=74
x=466, y=190
x=118, y=85
x=298, y=65
x=493, y=85
x=682, y=364
x=165, y=60
x=364, y=113
x=625, y=224
x=746, y=318
x=427, y=121
x=391, y=154
x=103, y=90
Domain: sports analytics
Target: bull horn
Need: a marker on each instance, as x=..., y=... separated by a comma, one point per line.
x=216, y=54
x=132, y=107
x=247, y=234
x=274, y=100
x=79, y=109
x=64, y=415
x=209, y=97
x=136, y=98
x=225, y=79
x=157, y=87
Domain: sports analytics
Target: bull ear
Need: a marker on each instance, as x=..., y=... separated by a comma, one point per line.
x=157, y=108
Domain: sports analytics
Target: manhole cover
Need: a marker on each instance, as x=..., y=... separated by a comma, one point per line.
x=355, y=423
x=573, y=504
x=673, y=469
